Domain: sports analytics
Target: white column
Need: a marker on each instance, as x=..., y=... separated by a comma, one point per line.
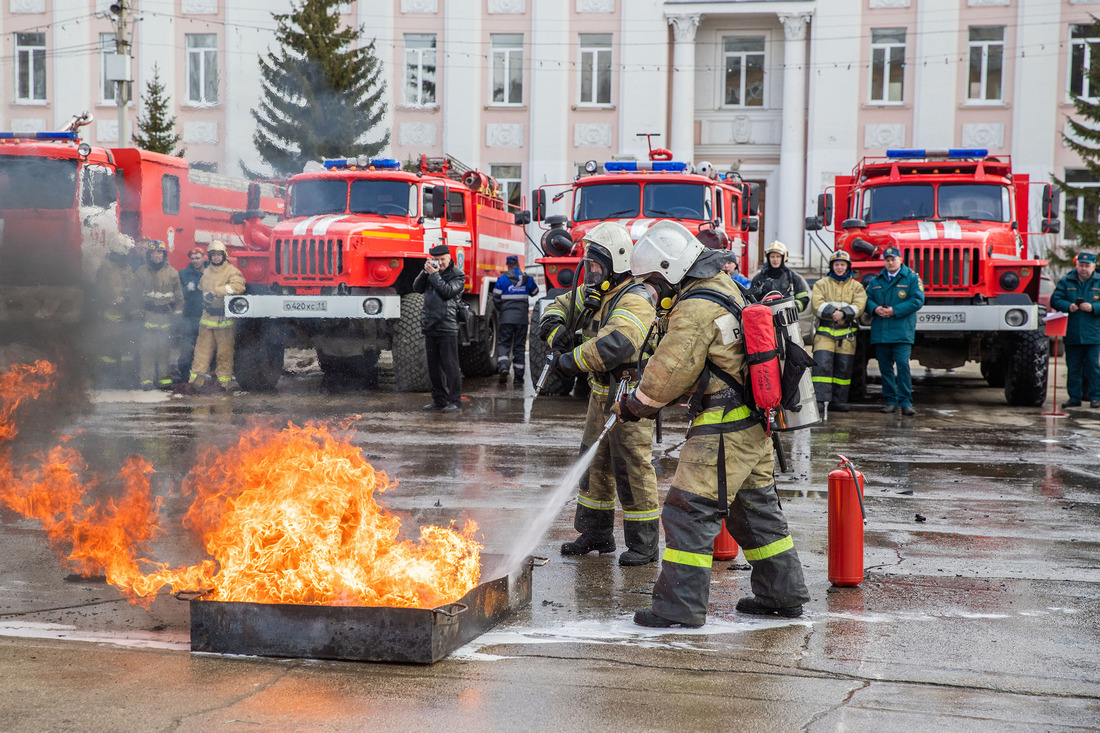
x=68, y=90
x=643, y=88
x=552, y=46
x=682, y=133
x=377, y=22
x=935, y=83
x=463, y=133
x=792, y=146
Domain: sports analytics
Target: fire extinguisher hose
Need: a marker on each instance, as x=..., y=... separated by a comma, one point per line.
x=859, y=489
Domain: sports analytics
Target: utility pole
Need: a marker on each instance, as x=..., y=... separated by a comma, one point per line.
x=121, y=8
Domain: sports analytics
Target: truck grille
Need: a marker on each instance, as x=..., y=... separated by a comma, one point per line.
x=309, y=257
x=946, y=267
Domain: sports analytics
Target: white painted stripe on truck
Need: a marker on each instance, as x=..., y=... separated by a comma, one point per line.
x=952, y=230
x=497, y=244
x=303, y=226
x=927, y=229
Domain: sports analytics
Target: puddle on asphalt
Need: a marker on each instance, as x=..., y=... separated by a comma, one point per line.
x=63, y=632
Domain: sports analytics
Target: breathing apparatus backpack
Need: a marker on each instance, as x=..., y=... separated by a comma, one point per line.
x=779, y=380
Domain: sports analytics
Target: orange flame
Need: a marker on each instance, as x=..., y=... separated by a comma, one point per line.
x=289, y=516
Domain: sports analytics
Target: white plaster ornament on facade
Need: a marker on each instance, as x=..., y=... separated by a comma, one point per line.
x=503, y=136
x=592, y=135
x=200, y=132
x=794, y=25
x=28, y=6
x=884, y=136
x=506, y=6
x=199, y=7
x=419, y=6
x=416, y=134
x=983, y=135
x=28, y=124
x=596, y=6
x=684, y=27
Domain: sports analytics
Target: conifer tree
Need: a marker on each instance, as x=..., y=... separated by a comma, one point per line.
x=1083, y=138
x=322, y=96
x=156, y=126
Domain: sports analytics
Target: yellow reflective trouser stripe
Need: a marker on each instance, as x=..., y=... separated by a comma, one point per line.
x=602, y=390
x=694, y=559
x=832, y=380
x=761, y=553
x=629, y=316
x=107, y=360
x=715, y=417
x=113, y=318
x=157, y=325
x=215, y=324
x=641, y=516
x=593, y=504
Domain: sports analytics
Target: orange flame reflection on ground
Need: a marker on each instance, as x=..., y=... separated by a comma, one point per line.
x=288, y=515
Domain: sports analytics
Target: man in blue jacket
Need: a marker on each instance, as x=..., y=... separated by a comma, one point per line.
x=893, y=298
x=512, y=297
x=1078, y=293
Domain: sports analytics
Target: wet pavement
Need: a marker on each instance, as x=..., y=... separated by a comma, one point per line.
x=984, y=616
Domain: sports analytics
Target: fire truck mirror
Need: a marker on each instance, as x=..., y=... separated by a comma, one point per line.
x=523, y=217
x=824, y=208
x=750, y=224
x=1051, y=201
x=753, y=190
x=538, y=199
x=853, y=224
x=1051, y=226
x=813, y=223
x=253, y=202
x=439, y=202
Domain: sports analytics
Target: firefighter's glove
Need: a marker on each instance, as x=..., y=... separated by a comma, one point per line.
x=566, y=365
x=592, y=298
x=629, y=408
x=547, y=326
x=207, y=298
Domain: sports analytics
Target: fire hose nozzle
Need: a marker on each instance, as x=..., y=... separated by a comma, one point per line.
x=545, y=373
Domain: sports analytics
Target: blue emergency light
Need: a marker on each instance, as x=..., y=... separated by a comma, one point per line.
x=70, y=135
x=940, y=153
x=361, y=162
x=631, y=166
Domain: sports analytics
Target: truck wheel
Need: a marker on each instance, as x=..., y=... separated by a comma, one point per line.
x=537, y=351
x=410, y=362
x=258, y=355
x=479, y=359
x=994, y=373
x=1026, y=375
x=350, y=371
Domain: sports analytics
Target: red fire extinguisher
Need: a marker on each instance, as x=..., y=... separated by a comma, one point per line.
x=725, y=547
x=846, y=518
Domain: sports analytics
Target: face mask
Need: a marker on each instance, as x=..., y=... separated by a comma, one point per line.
x=663, y=293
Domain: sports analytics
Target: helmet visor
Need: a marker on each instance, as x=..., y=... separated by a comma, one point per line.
x=597, y=265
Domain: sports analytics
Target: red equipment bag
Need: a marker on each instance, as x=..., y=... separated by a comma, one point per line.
x=765, y=375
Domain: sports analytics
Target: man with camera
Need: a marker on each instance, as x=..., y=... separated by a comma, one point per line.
x=442, y=284
x=1078, y=293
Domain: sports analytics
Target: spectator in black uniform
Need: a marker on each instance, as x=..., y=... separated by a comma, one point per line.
x=442, y=284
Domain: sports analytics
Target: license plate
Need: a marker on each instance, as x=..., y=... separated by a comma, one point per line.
x=941, y=318
x=298, y=306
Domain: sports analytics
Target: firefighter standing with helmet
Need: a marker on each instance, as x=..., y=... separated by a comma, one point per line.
x=113, y=295
x=615, y=317
x=215, y=330
x=727, y=456
x=837, y=300
x=159, y=296
x=776, y=276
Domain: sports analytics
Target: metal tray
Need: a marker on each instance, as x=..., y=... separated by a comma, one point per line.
x=359, y=633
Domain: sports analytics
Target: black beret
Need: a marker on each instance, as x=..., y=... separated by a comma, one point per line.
x=439, y=250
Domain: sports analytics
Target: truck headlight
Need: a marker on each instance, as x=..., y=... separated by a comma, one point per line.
x=372, y=306
x=238, y=306
x=1010, y=280
x=1016, y=317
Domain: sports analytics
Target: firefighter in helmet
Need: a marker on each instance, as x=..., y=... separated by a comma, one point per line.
x=727, y=461
x=776, y=276
x=615, y=317
x=159, y=296
x=113, y=295
x=215, y=330
x=837, y=301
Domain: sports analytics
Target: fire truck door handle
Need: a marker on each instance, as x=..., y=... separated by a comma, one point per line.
x=179, y=229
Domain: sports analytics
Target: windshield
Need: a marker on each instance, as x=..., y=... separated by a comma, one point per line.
x=978, y=202
x=388, y=198
x=676, y=200
x=898, y=203
x=28, y=182
x=310, y=198
x=606, y=201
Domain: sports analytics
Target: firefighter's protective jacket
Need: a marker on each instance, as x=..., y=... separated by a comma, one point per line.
x=700, y=330
x=1082, y=328
x=220, y=281
x=511, y=295
x=614, y=334
x=114, y=290
x=783, y=280
x=830, y=295
x=158, y=291
x=905, y=294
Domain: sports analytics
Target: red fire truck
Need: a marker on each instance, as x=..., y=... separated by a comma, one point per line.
x=636, y=194
x=960, y=219
x=62, y=199
x=341, y=264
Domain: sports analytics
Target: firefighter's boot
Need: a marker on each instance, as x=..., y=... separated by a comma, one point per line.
x=641, y=542
x=595, y=526
x=502, y=370
x=587, y=543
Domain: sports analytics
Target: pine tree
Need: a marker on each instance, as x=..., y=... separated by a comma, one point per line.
x=156, y=127
x=322, y=97
x=1083, y=138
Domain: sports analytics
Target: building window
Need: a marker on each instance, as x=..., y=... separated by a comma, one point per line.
x=508, y=176
x=202, y=68
x=30, y=67
x=595, y=68
x=744, y=72
x=1078, y=207
x=507, y=68
x=107, y=89
x=987, y=52
x=420, y=69
x=1082, y=49
x=887, y=64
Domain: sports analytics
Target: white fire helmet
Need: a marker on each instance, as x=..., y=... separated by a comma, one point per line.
x=120, y=244
x=217, y=246
x=667, y=248
x=609, y=245
x=776, y=246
